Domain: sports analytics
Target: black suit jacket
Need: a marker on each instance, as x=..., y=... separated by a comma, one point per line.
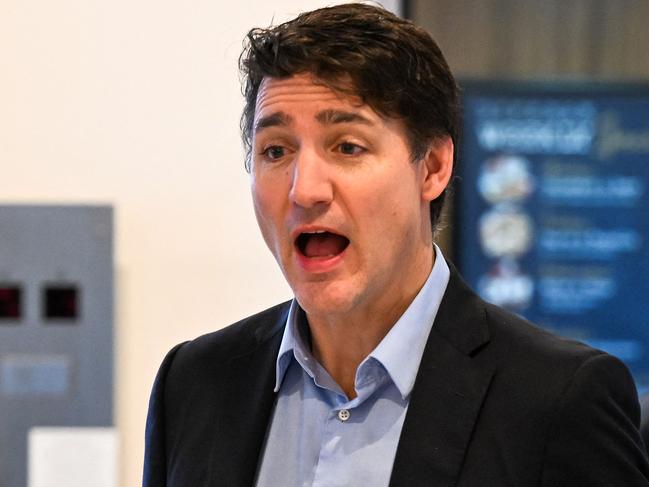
x=496, y=402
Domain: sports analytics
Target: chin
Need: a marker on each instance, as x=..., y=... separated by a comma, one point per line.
x=329, y=299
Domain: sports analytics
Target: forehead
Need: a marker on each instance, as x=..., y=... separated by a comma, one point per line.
x=300, y=91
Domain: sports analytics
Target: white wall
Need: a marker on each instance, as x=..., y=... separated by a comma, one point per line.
x=136, y=103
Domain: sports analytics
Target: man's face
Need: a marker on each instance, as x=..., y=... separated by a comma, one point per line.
x=339, y=202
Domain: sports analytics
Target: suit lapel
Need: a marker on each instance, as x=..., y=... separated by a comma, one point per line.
x=447, y=395
x=249, y=395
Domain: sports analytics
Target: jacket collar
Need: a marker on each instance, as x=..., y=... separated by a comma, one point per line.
x=448, y=393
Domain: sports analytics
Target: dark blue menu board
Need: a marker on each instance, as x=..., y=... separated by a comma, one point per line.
x=552, y=209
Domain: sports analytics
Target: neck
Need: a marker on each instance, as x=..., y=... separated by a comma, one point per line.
x=341, y=342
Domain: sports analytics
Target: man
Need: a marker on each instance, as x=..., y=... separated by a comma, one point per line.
x=385, y=369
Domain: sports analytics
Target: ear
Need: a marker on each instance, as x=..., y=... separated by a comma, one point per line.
x=437, y=167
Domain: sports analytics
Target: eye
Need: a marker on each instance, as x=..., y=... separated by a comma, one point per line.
x=351, y=149
x=273, y=152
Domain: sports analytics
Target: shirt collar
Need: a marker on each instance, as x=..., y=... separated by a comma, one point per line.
x=401, y=350
x=412, y=330
x=294, y=345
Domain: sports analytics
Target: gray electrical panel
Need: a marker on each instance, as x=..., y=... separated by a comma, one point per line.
x=56, y=324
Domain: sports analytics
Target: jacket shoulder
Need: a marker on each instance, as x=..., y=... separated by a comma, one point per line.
x=234, y=340
x=522, y=339
x=205, y=360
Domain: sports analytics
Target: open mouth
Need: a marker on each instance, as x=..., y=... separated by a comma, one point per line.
x=321, y=244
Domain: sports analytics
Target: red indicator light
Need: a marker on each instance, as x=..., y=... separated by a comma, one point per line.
x=61, y=302
x=10, y=302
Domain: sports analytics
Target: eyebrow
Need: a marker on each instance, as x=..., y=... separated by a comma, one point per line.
x=273, y=120
x=339, y=116
x=325, y=117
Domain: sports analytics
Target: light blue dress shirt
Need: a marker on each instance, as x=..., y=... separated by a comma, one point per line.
x=320, y=438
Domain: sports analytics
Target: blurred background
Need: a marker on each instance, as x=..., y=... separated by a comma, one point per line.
x=124, y=116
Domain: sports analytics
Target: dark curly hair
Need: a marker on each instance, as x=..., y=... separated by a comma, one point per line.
x=391, y=64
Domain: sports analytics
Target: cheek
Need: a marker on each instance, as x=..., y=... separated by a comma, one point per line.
x=394, y=200
x=268, y=206
x=395, y=212
x=263, y=206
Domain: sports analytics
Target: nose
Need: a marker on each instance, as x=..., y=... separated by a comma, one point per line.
x=311, y=185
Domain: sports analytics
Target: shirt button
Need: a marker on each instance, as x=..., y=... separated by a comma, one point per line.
x=343, y=415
